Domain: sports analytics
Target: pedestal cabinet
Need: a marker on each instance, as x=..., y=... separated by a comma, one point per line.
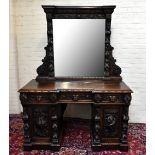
x=44, y=105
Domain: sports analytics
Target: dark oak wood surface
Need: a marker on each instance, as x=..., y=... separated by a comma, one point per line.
x=79, y=85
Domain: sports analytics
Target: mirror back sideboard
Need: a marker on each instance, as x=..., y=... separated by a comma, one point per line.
x=45, y=98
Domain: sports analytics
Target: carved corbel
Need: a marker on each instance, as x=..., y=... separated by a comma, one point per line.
x=23, y=98
x=127, y=99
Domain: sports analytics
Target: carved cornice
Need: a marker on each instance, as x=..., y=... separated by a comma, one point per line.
x=60, y=10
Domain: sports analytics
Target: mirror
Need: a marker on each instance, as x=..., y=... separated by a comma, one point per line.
x=79, y=46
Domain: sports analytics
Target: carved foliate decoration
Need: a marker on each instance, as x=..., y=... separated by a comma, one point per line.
x=40, y=120
x=98, y=98
x=55, y=127
x=96, y=119
x=53, y=97
x=111, y=69
x=125, y=118
x=46, y=70
x=32, y=98
x=26, y=120
x=23, y=97
x=127, y=99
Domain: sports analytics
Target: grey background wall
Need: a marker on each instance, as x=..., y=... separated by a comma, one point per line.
x=28, y=39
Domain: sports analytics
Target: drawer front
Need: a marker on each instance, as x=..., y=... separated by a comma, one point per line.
x=106, y=123
x=107, y=98
x=38, y=98
x=75, y=96
x=40, y=121
x=111, y=119
x=33, y=98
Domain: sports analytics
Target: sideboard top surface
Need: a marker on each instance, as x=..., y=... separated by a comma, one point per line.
x=78, y=85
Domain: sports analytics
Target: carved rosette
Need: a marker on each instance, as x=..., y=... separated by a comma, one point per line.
x=26, y=117
x=125, y=118
x=110, y=68
x=98, y=98
x=54, y=124
x=96, y=125
x=53, y=97
x=47, y=68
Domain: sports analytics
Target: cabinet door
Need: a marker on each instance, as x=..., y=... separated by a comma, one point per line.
x=46, y=123
x=106, y=123
x=111, y=123
x=40, y=116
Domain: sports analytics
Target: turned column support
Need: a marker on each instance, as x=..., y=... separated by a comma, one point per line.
x=26, y=120
x=55, y=118
x=125, y=119
x=96, y=126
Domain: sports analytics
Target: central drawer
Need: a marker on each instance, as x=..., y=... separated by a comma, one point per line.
x=75, y=97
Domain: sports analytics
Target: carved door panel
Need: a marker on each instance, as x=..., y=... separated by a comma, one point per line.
x=46, y=125
x=111, y=123
x=40, y=121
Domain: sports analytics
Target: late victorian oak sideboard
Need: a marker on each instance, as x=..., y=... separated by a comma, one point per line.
x=45, y=98
x=43, y=112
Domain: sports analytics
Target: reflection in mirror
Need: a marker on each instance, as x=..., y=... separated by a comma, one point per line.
x=79, y=46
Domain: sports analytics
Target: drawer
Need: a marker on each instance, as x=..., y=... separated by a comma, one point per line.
x=107, y=98
x=31, y=98
x=75, y=96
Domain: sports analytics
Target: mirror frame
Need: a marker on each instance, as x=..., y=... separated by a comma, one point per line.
x=46, y=70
